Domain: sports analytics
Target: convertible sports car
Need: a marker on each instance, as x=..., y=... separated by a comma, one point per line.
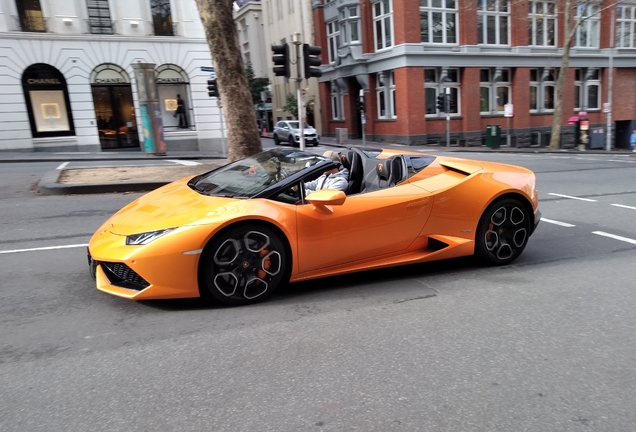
x=240, y=232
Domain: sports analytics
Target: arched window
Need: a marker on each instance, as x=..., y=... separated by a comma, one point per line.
x=47, y=101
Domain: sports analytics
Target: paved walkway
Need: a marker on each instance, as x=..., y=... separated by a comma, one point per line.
x=49, y=182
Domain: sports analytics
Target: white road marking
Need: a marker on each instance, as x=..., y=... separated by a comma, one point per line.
x=43, y=248
x=624, y=206
x=615, y=237
x=561, y=157
x=565, y=224
x=572, y=197
x=62, y=166
x=183, y=162
x=624, y=161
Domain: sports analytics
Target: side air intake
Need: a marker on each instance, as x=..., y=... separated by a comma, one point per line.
x=436, y=245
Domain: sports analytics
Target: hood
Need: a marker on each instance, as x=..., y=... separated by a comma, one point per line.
x=170, y=206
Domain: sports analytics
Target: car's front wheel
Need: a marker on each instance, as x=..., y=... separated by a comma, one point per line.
x=244, y=264
x=292, y=142
x=276, y=140
x=503, y=231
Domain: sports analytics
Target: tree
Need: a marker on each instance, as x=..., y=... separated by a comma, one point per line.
x=571, y=22
x=291, y=104
x=257, y=85
x=220, y=30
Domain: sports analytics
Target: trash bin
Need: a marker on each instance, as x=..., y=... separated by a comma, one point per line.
x=493, y=136
x=341, y=135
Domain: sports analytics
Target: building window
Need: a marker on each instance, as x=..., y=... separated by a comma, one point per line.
x=436, y=81
x=333, y=40
x=173, y=90
x=30, y=16
x=99, y=19
x=542, y=89
x=383, y=24
x=385, y=95
x=495, y=90
x=350, y=25
x=543, y=23
x=337, y=113
x=438, y=21
x=161, y=17
x=587, y=89
x=626, y=26
x=47, y=101
x=587, y=33
x=493, y=22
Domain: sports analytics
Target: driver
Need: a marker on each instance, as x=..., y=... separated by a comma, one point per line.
x=336, y=178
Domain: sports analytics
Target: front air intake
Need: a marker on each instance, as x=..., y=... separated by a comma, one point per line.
x=121, y=275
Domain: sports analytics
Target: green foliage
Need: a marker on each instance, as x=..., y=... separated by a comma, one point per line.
x=257, y=85
x=291, y=104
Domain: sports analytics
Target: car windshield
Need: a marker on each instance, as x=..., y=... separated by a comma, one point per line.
x=247, y=177
x=294, y=125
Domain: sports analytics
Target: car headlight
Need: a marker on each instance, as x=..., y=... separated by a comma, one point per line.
x=147, y=237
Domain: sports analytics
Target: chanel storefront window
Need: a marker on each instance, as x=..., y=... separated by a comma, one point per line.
x=173, y=87
x=47, y=101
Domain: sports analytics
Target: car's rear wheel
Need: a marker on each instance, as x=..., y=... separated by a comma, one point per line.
x=245, y=264
x=503, y=232
x=276, y=140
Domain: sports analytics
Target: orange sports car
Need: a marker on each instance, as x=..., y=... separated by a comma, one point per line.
x=240, y=232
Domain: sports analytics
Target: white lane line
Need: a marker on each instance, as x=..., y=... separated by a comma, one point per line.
x=561, y=157
x=565, y=224
x=572, y=197
x=43, y=248
x=615, y=237
x=183, y=162
x=624, y=161
x=624, y=206
x=62, y=166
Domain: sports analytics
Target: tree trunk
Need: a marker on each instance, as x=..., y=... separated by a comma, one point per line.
x=242, y=132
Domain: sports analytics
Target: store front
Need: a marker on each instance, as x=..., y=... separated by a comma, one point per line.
x=173, y=88
x=114, y=107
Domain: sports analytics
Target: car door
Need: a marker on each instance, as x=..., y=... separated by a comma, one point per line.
x=284, y=131
x=365, y=226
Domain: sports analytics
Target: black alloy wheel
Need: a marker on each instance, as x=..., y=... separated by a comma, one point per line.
x=244, y=264
x=503, y=232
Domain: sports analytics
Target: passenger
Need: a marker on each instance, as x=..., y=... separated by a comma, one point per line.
x=336, y=178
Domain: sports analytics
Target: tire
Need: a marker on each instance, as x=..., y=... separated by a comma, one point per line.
x=244, y=264
x=276, y=140
x=291, y=141
x=503, y=232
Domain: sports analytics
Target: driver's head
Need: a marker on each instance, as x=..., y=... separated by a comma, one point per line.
x=334, y=156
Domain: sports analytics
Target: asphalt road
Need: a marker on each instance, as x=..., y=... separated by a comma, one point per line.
x=545, y=344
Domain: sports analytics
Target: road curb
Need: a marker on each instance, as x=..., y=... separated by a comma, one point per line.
x=49, y=185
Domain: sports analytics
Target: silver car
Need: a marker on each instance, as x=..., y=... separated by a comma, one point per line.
x=288, y=131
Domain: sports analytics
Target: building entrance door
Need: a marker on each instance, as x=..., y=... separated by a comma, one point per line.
x=115, y=114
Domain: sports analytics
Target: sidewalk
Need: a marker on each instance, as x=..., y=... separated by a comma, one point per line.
x=49, y=183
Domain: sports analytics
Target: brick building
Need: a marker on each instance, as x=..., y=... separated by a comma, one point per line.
x=485, y=54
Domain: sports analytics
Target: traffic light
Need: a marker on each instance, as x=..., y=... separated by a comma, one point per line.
x=213, y=89
x=310, y=60
x=281, y=60
x=360, y=104
x=441, y=102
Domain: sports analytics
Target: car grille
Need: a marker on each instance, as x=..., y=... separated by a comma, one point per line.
x=310, y=136
x=121, y=275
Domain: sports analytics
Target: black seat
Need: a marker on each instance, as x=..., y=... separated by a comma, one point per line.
x=399, y=170
x=383, y=171
x=353, y=162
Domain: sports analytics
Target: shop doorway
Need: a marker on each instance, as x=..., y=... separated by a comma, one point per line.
x=115, y=117
x=114, y=108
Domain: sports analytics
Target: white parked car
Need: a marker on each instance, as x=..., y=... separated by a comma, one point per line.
x=289, y=131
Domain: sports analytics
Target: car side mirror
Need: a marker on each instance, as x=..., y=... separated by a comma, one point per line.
x=322, y=200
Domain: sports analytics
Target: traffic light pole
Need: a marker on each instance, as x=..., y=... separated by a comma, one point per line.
x=299, y=91
x=222, y=127
x=447, y=109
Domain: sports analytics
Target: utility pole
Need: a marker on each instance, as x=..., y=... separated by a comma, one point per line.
x=608, y=136
x=363, y=118
x=447, y=108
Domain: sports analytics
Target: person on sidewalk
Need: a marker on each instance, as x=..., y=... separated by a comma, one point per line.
x=632, y=141
x=336, y=178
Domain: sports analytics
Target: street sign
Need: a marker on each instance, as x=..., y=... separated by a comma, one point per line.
x=364, y=119
x=607, y=108
x=207, y=69
x=213, y=75
x=508, y=110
